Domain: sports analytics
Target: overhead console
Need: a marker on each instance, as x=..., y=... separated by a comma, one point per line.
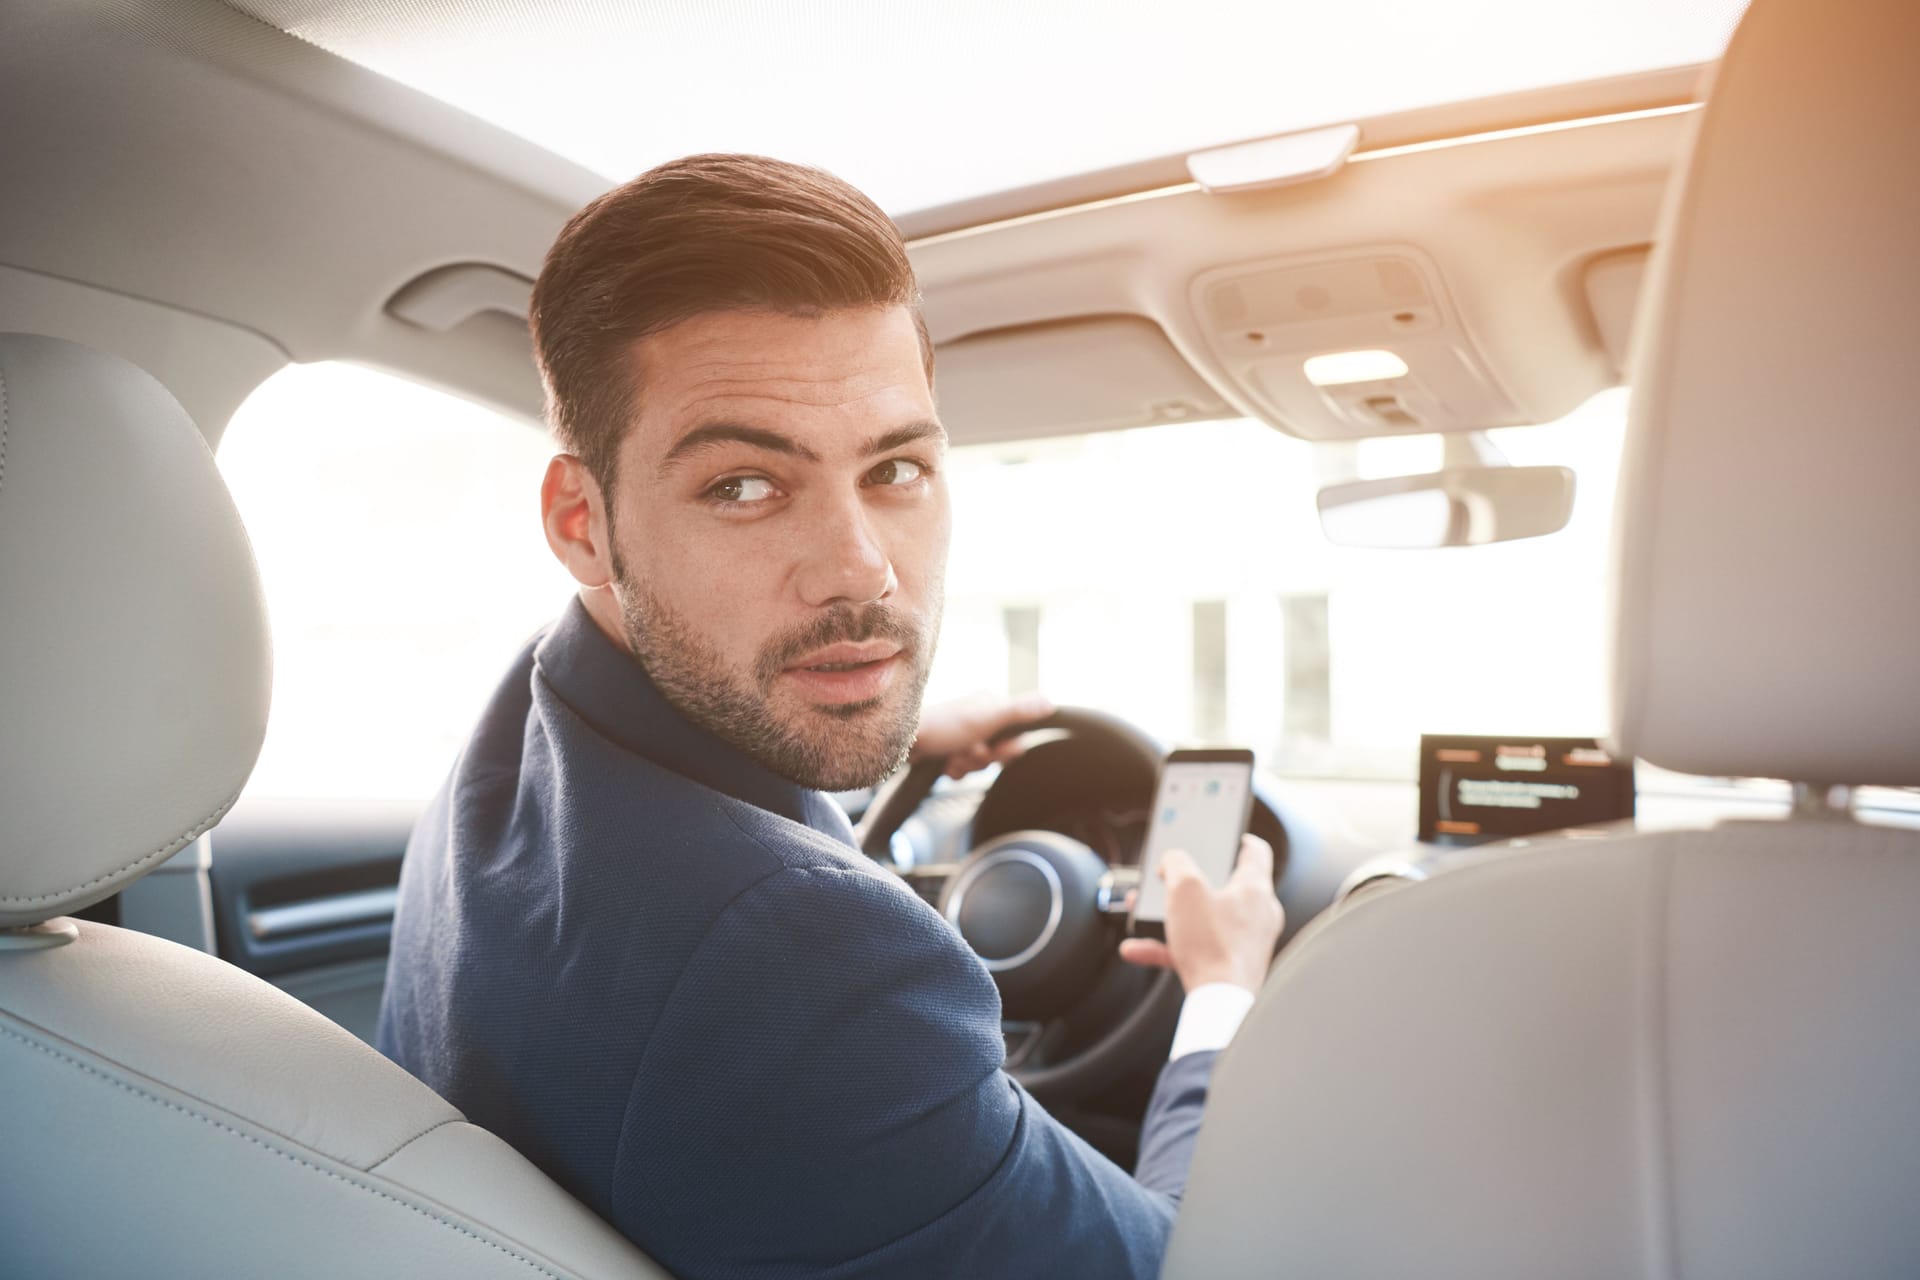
x=1497, y=272
x=1413, y=367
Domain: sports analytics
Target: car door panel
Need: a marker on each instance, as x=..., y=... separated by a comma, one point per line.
x=303, y=896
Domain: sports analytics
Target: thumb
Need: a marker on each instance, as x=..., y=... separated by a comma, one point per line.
x=1147, y=952
x=1256, y=861
x=986, y=715
x=1031, y=706
x=1177, y=864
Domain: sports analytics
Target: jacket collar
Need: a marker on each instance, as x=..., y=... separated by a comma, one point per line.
x=607, y=687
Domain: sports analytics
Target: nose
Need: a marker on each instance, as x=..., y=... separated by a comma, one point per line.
x=843, y=560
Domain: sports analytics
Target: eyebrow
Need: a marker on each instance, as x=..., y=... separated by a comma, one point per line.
x=711, y=435
x=900, y=436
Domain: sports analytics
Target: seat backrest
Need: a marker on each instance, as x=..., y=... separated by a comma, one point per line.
x=161, y=1112
x=1687, y=1053
x=1681, y=1055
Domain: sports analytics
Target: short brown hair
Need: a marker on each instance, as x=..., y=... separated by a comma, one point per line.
x=696, y=235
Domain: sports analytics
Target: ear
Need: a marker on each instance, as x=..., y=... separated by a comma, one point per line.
x=575, y=514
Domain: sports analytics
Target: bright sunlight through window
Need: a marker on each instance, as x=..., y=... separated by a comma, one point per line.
x=398, y=534
x=923, y=103
x=1175, y=576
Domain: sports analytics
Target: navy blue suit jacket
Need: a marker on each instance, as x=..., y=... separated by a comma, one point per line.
x=666, y=975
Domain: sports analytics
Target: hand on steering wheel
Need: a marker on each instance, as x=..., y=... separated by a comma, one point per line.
x=973, y=732
x=1030, y=903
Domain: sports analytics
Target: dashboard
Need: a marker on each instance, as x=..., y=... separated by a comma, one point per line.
x=1324, y=830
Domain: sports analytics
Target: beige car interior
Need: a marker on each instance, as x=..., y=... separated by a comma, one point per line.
x=170, y=1114
x=1684, y=1054
x=1691, y=1053
x=1500, y=242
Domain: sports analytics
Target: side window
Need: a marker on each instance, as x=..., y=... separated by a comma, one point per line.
x=398, y=534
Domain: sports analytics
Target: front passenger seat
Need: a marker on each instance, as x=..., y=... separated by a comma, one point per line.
x=161, y=1112
x=1686, y=1054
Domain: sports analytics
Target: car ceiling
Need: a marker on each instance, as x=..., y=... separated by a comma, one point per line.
x=212, y=197
x=920, y=103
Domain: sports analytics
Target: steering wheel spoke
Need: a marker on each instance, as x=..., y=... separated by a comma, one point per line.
x=1110, y=898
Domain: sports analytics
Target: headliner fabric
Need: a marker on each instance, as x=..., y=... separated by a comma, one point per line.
x=923, y=104
x=1767, y=614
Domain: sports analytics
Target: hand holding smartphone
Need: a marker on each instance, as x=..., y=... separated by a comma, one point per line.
x=1201, y=805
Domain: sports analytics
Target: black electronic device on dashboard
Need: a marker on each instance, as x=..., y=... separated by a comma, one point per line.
x=1201, y=805
x=1475, y=789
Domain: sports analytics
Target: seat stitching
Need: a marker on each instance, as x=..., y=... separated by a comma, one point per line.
x=269, y=1147
x=3, y=429
x=438, y=1124
x=166, y=850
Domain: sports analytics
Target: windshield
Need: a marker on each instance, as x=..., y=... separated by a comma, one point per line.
x=1177, y=576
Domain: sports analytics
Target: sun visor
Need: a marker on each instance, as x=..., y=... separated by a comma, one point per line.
x=1101, y=373
x=1612, y=283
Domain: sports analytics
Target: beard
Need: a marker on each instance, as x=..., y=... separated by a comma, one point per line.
x=835, y=747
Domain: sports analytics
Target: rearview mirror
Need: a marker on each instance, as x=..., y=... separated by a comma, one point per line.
x=1456, y=507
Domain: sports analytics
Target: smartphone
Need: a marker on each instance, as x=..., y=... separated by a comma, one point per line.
x=1201, y=805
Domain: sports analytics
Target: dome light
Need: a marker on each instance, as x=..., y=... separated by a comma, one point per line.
x=1342, y=367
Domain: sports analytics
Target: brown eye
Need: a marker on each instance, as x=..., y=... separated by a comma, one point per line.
x=741, y=490
x=896, y=471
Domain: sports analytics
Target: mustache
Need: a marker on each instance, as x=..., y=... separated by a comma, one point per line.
x=842, y=622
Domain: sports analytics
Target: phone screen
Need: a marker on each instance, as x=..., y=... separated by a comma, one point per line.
x=1202, y=807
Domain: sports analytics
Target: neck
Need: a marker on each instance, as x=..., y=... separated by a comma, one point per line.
x=604, y=609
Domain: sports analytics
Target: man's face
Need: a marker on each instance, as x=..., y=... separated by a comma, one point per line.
x=780, y=528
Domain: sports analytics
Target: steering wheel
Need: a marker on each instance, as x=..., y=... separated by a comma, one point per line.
x=1044, y=913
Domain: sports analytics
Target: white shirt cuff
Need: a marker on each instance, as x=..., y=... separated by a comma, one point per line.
x=1209, y=1017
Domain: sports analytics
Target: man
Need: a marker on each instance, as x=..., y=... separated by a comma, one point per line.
x=634, y=939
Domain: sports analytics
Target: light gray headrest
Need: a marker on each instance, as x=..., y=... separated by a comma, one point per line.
x=134, y=660
x=1768, y=555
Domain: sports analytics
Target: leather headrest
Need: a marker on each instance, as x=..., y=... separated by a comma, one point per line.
x=1768, y=547
x=134, y=660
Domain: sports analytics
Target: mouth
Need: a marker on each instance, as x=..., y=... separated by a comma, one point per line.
x=846, y=656
x=845, y=673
